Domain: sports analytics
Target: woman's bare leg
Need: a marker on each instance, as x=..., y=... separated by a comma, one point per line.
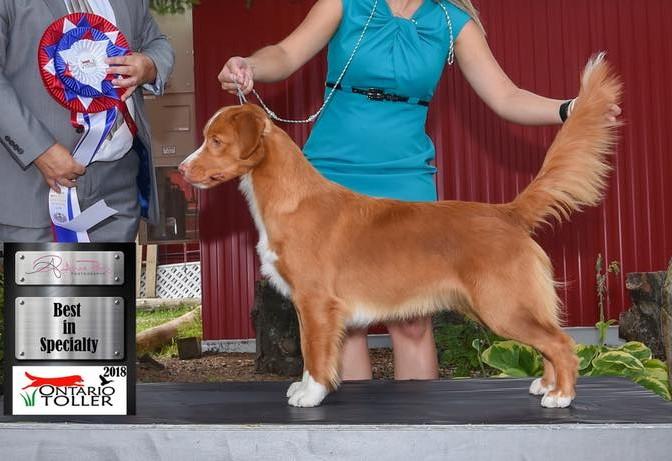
x=414, y=349
x=355, y=361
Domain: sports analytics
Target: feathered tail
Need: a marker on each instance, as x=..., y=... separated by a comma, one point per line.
x=576, y=167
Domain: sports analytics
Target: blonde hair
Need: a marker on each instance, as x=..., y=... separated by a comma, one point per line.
x=469, y=8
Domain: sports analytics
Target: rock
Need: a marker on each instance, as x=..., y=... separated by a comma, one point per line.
x=642, y=321
x=189, y=348
x=277, y=332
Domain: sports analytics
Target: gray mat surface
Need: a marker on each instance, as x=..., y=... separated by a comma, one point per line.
x=443, y=402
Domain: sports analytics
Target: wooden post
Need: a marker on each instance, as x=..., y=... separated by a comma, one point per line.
x=150, y=272
x=666, y=319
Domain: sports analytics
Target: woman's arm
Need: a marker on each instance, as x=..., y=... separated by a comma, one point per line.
x=277, y=62
x=496, y=89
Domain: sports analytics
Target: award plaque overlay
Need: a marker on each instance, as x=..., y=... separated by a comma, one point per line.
x=70, y=329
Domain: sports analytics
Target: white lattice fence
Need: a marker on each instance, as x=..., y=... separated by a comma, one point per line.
x=175, y=281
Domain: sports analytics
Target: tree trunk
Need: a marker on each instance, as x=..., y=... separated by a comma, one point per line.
x=666, y=319
x=642, y=321
x=156, y=337
x=277, y=329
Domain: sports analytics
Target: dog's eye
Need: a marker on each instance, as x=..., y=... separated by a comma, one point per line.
x=216, y=142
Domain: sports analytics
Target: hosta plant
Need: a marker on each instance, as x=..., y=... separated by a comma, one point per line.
x=631, y=360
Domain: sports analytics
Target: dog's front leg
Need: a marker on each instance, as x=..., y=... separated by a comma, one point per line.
x=321, y=323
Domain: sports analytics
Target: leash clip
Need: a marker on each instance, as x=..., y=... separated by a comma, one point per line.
x=241, y=96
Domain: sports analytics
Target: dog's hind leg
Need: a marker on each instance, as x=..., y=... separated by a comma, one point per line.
x=559, y=349
x=520, y=324
x=322, y=325
x=515, y=314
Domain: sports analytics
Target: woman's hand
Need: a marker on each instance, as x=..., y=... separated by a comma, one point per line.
x=613, y=111
x=237, y=72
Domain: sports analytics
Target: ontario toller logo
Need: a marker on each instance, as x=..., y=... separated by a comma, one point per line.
x=88, y=390
x=66, y=391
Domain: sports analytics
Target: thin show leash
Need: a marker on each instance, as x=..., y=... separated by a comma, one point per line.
x=242, y=99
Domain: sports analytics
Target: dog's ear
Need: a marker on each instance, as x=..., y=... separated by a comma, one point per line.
x=251, y=124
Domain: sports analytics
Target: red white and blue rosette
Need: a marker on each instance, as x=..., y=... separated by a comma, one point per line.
x=71, y=58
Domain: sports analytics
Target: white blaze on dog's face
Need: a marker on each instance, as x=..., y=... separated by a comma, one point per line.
x=232, y=146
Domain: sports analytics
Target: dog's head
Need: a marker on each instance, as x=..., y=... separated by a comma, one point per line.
x=233, y=145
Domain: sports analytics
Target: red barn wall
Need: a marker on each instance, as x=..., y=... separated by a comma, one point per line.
x=542, y=45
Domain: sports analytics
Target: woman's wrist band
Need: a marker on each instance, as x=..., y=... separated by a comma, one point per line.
x=566, y=109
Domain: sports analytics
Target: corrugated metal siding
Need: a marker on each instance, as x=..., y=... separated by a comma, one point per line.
x=542, y=45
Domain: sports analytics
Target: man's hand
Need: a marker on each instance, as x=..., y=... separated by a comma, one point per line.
x=59, y=168
x=136, y=69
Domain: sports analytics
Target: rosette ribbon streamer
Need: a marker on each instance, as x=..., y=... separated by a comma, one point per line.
x=72, y=57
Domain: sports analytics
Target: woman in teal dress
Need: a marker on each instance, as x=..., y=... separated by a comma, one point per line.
x=371, y=135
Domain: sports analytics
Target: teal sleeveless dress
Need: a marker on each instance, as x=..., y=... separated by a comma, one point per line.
x=381, y=148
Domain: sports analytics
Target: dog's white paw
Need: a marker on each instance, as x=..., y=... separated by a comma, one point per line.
x=297, y=385
x=537, y=387
x=308, y=393
x=293, y=388
x=556, y=401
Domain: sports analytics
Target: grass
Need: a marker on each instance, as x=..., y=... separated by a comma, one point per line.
x=146, y=319
x=152, y=318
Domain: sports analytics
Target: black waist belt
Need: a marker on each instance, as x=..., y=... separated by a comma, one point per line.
x=378, y=94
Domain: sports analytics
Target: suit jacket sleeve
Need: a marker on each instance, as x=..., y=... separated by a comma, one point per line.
x=155, y=45
x=23, y=136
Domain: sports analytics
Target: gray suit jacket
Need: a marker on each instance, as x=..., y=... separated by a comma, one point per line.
x=31, y=121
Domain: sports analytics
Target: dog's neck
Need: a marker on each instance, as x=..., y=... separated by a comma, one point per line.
x=281, y=180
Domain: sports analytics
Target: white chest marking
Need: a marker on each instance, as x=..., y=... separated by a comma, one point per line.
x=267, y=256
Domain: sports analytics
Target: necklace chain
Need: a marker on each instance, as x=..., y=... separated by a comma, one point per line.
x=243, y=99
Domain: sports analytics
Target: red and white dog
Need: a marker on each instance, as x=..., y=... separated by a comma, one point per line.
x=349, y=260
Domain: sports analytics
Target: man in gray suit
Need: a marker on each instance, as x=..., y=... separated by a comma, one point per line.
x=37, y=137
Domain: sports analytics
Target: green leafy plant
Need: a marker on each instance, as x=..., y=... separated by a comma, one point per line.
x=171, y=6
x=459, y=344
x=513, y=359
x=631, y=360
x=601, y=284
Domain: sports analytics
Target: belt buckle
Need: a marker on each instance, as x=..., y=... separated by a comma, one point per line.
x=375, y=94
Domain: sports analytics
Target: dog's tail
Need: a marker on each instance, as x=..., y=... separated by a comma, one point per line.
x=575, y=170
